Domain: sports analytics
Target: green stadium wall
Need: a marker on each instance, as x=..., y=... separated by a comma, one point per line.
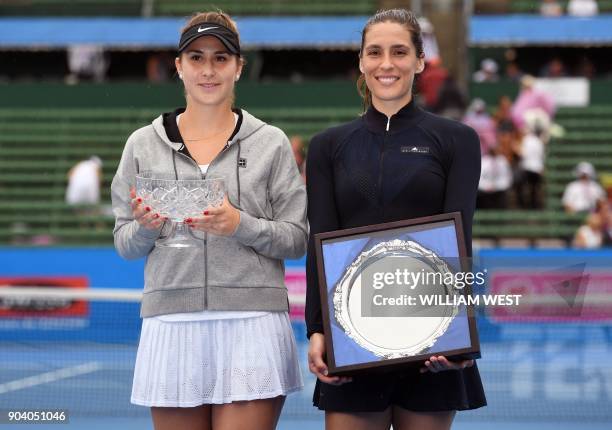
x=341, y=93
x=166, y=96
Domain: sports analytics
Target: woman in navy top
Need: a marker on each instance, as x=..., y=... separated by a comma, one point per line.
x=395, y=162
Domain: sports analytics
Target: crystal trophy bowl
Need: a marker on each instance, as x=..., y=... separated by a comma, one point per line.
x=178, y=199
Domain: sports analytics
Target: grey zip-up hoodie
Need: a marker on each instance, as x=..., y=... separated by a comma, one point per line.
x=244, y=271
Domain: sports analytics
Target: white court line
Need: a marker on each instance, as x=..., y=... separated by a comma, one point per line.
x=47, y=377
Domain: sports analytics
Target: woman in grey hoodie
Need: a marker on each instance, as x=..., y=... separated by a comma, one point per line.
x=216, y=348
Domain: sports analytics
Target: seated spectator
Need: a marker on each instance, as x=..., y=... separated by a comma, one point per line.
x=430, y=44
x=582, y=8
x=509, y=145
x=530, y=98
x=495, y=181
x=513, y=72
x=451, y=100
x=582, y=194
x=503, y=113
x=586, y=68
x=160, y=67
x=488, y=71
x=591, y=234
x=602, y=208
x=86, y=62
x=536, y=118
x=84, y=182
x=550, y=8
x=554, y=69
x=297, y=145
x=430, y=81
x=532, y=164
x=478, y=118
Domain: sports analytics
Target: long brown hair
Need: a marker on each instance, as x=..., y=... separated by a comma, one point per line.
x=399, y=16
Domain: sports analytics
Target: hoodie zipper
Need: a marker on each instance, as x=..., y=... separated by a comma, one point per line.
x=203, y=176
x=381, y=160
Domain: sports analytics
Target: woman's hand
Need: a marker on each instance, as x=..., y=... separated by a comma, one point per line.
x=316, y=363
x=143, y=214
x=222, y=220
x=440, y=363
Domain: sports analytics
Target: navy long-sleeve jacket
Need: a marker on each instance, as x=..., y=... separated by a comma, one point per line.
x=377, y=169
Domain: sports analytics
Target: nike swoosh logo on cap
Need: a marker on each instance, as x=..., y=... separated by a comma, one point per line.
x=200, y=29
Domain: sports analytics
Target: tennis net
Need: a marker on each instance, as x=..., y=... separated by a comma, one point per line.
x=74, y=349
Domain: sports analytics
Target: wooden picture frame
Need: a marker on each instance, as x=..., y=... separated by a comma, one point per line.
x=358, y=338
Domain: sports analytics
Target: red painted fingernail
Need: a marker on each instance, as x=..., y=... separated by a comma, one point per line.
x=148, y=209
x=156, y=216
x=205, y=212
x=188, y=220
x=139, y=200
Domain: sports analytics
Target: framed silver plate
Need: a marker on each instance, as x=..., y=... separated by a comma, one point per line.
x=373, y=315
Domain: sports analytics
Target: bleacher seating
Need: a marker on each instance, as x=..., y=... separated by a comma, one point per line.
x=184, y=8
x=38, y=147
x=530, y=6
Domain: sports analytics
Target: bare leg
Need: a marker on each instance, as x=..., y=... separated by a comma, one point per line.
x=404, y=419
x=197, y=418
x=251, y=415
x=358, y=420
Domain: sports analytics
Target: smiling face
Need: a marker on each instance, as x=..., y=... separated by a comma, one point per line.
x=389, y=62
x=208, y=71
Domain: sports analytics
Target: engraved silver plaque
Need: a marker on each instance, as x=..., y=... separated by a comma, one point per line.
x=418, y=327
x=394, y=294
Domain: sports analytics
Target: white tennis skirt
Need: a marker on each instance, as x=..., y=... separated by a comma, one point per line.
x=191, y=363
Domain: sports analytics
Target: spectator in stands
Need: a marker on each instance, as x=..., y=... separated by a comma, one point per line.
x=84, y=181
x=532, y=164
x=86, y=62
x=503, y=113
x=478, y=118
x=160, y=67
x=582, y=8
x=451, y=100
x=488, y=71
x=513, y=72
x=586, y=68
x=430, y=44
x=551, y=8
x=495, y=181
x=604, y=210
x=591, y=234
x=297, y=145
x=531, y=98
x=583, y=194
x=554, y=69
x=509, y=144
x=537, y=118
x=430, y=82
x=216, y=343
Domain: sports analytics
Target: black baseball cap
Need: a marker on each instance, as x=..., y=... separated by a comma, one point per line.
x=221, y=32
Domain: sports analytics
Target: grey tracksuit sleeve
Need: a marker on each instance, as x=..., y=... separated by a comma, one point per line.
x=286, y=234
x=131, y=239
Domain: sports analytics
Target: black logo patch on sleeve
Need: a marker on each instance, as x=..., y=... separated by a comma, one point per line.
x=415, y=149
x=242, y=162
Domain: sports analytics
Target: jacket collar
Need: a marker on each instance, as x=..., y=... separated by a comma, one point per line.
x=248, y=126
x=378, y=122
